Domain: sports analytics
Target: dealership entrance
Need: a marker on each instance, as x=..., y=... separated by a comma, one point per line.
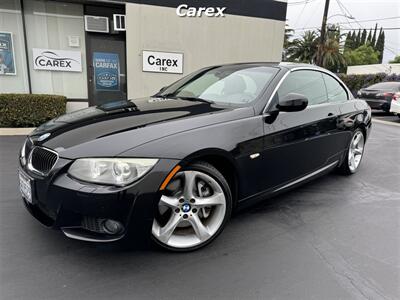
x=106, y=57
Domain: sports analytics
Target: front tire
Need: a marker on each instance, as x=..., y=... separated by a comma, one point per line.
x=354, y=153
x=193, y=210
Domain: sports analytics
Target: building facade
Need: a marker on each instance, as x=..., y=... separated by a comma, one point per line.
x=94, y=52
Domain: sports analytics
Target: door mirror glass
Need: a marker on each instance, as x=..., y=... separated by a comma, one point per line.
x=292, y=102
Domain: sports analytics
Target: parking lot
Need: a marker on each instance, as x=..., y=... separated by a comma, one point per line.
x=386, y=117
x=335, y=238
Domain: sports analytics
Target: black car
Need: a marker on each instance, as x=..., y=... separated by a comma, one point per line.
x=380, y=95
x=176, y=165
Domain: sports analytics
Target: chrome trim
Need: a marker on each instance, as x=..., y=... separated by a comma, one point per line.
x=306, y=177
x=30, y=166
x=255, y=155
x=318, y=69
x=70, y=233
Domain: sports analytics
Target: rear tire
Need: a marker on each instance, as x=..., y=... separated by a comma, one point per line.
x=354, y=153
x=193, y=210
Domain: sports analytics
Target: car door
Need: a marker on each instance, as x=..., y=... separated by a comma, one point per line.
x=299, y=143
x=338, y=96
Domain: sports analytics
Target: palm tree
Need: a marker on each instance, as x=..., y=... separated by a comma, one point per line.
x=332, y=57
x=303, y=49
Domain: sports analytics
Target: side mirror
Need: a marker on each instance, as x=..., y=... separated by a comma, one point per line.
x=292, y=102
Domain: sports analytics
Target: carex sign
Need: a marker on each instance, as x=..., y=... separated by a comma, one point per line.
x=162, y=62
x=57, y=60
x=185, y=10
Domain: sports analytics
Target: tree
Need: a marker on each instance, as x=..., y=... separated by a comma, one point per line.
x=364, y=37
x=332, y=58
x=288, y=34
x=369, y=37
x=358, y=40
x=363, y=55
x=396, y=60
x=373, y=41
x=348, y=42
x=303, y=49
x=380, y=44
x=353, y=40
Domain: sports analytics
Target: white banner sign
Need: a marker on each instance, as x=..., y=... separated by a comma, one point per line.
x=162, y=62
x=57, y=60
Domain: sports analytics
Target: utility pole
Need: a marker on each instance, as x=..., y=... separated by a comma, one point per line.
x=323, y=33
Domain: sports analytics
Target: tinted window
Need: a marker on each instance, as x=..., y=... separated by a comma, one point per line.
x=385, y=86
x=336, y=92
x=307, y=83
x=225, y=84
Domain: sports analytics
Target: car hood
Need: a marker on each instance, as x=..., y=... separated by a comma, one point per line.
x=116, y=127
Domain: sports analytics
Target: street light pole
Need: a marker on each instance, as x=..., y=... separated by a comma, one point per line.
x=323, y=32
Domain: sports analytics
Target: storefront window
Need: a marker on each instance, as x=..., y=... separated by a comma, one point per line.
x=56, y=48
x=13, y=72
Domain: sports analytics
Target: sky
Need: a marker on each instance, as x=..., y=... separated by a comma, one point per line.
x=307, y=14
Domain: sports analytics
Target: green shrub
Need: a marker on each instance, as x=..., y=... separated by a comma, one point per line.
x=29, y=110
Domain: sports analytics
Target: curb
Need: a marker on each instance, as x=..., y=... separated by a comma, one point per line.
x=16, y=131
x=374, y=120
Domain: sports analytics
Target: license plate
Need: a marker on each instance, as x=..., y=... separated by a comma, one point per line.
x=25, y=187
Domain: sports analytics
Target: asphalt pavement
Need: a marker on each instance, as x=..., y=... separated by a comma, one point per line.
x=387, y=117
x=335, y=238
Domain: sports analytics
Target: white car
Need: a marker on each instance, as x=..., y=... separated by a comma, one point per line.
x=395, y=104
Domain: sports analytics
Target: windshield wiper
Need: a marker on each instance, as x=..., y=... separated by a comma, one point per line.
x=195, y=99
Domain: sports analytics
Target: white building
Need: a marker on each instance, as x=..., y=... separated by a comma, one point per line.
x=373, y=69
x=94, y=51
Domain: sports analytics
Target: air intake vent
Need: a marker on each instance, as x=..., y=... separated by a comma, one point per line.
x=119, y=22
x=42, y=160
x=96, y=24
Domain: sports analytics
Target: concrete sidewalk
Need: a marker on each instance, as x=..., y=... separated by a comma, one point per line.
x=16, y=131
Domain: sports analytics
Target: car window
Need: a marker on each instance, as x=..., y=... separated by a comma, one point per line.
x=305, y=82
x=336, y=92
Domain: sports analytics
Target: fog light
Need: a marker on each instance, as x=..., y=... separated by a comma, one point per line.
x=112, y=227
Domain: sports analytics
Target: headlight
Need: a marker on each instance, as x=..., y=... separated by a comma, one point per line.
x=22, y=155
x=113, y=171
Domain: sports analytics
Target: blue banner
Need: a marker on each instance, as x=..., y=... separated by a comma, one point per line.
x=7, y=60
x=106, y=71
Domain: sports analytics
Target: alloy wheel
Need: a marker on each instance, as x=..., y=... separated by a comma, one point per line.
x=190, y=213
x=356, y=151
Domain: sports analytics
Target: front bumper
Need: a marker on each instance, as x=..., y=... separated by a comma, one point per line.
x=61, y=202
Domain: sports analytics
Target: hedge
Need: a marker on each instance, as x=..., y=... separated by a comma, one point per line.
x=355, y=82
x=29, y=110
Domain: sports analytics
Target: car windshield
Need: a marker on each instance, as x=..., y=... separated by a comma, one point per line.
x=385, y=86
x=226, y=84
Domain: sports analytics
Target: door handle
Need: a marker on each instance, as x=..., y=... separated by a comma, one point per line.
x=331, y=114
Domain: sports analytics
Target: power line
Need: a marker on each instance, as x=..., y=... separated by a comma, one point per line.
x=300, y=2
x=344, y=13
x=381, y=19
x=301, y=13
x=383, y=28
x=350, y=29
x=352, y=22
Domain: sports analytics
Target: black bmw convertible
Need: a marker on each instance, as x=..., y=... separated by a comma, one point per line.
x=175, y=166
